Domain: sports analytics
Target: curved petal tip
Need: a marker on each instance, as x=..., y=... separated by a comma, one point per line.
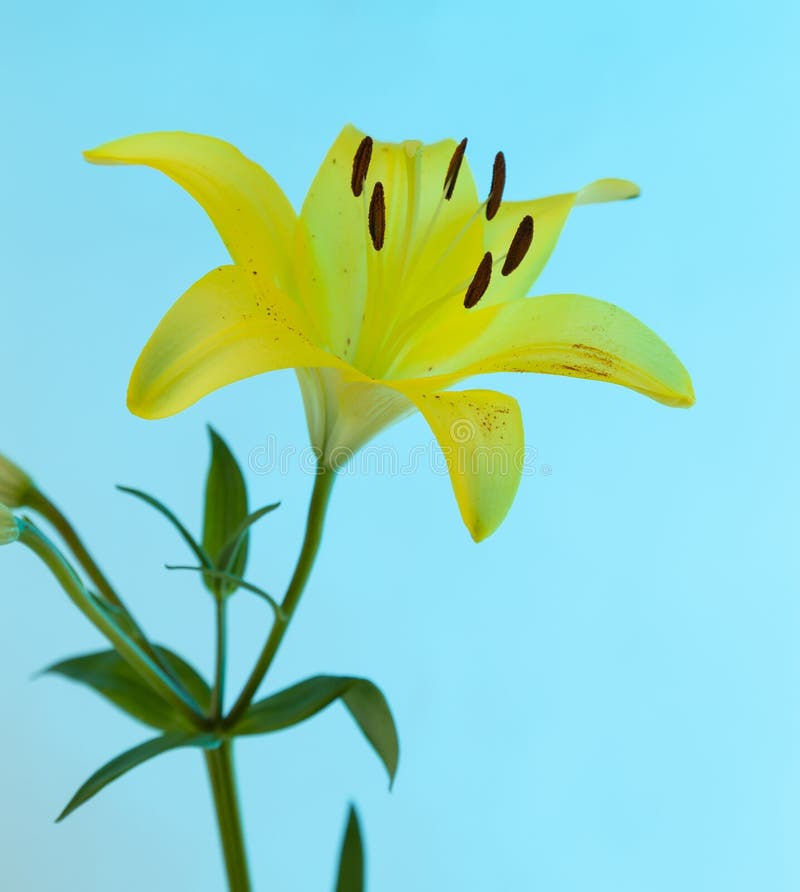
x=609, y=189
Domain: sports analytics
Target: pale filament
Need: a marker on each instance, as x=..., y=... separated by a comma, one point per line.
x=392, y=337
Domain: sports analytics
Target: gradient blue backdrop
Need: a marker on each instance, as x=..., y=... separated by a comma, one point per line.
x=603, y=696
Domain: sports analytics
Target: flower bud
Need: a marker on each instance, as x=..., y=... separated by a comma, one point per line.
x=15, y=484
x=9, y=526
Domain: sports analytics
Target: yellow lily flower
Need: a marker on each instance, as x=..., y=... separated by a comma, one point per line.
x=392, y=284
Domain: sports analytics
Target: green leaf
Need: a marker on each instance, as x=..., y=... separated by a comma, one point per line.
x=351, y=859
x=293, y=705
x=225, y=511
x=122, y=764
x=185, y=534
x=236, y=581
x=113, y=678
x=231, y=548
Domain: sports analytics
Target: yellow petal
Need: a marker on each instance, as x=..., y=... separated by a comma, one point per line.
x=223, y=329
x=360, y=291
x=483, y=443
x=558, y=334
x=332, y=271
x=549, y=216
x=608, y=189
x=248, y=209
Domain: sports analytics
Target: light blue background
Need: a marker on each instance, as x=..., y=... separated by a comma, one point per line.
x=603, y=696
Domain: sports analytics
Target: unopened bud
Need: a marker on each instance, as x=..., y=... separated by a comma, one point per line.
x=9, y=526
x=15, y=484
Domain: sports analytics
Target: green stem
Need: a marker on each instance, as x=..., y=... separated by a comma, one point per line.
x=223, y=787
x=218, y=691
x=316, y=519
x=141, y=662
x=38, y=501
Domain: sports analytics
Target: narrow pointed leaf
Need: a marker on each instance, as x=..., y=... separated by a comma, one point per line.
x=237, y=581
x=371, y=712
x=112, y=677
x=185, y=534
x=362, y=698
x=225, y=511
x=232, y=547
x=124, y=763
x=351, y=858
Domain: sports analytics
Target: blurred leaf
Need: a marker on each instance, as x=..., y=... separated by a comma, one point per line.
x=127, y=626
x=237, y=581
x=351, y=859
x=113, y=678
x=225, y=512
x=230, y=549
x=293, y=705
x=185, y=534
x=122, y=764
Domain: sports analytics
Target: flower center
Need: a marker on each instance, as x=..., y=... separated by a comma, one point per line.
x=413, y=286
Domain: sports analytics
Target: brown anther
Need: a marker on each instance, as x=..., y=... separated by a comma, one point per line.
x=361, y=161
x=377, y=216
x=519, y=245
x=498, y=185
x=453, y=168
x=480, y=281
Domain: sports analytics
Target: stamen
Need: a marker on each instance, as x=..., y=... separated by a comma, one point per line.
x=480, y=281
x=377, y=216
x=497, y=187
x=361, y=161
x=519, y=245
x=453, y=168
